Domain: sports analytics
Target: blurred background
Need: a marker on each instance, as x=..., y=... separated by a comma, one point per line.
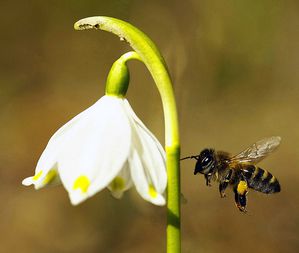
x=234, y=66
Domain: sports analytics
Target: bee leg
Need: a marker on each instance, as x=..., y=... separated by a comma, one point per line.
x=240, y=201
x=208, y=178
x=222, y=188
x=240, y=195
x=224, y=183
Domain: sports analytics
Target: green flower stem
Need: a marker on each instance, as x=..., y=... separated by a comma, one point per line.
x=155, y=63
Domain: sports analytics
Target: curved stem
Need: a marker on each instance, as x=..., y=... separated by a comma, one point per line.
x=155, y=63
x=130, y=56
x=119, y=76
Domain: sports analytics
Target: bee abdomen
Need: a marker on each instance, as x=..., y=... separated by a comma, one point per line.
x=261, y=180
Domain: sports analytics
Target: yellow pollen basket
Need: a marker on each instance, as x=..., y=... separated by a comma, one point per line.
x=152, y=192
x=242, y=187
x=81, y=183
x=117, y=184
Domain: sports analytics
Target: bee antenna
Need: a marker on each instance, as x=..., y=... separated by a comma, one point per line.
x=190, y=157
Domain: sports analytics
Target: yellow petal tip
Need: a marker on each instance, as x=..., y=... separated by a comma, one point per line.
x=152, y=192
x=82, y=183
x=37, y=176
x=117, y=184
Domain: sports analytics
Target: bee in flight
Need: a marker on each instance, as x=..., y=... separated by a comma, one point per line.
x=239, y=171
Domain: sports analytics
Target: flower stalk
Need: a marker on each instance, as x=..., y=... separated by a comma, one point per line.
x=151, y=57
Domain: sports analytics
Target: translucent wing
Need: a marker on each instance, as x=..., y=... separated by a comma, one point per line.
x=257, y=151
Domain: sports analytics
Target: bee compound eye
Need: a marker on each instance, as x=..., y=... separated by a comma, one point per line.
x=206, y=161
x=198, y=168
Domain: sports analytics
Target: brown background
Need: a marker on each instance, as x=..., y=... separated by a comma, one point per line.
x=235, y=70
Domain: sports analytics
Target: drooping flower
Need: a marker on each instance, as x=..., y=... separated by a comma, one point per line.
x=106, y=145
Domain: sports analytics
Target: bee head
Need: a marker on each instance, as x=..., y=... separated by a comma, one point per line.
x=206, y=162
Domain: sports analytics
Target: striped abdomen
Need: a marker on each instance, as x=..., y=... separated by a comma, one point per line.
x=260, y=180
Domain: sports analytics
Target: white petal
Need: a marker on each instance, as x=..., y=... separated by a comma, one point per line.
x=121, y=182
x=153, y=161
x=142, y=182
x=147, y=161
x=76, y=197
x=46, y=169
x=27, y=181
x=96, y=148
x=43, y=178
x=140, y=124
x=45, y=165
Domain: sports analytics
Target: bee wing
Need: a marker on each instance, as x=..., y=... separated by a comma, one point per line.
x=257, y=151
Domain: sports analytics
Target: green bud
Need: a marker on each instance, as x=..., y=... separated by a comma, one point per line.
x=118, y=79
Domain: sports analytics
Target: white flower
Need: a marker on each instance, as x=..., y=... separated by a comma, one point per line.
x=106, y=145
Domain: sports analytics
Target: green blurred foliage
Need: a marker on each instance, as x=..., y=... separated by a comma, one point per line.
x=235, y=71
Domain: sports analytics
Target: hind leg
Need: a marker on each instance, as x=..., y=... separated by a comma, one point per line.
x=241, y=190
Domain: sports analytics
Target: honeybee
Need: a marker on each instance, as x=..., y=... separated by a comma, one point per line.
x=239, y=171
